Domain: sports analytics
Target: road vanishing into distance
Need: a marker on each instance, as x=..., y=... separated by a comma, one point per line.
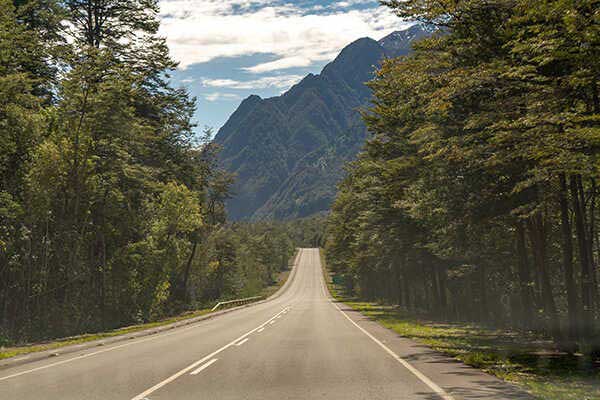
x=298, y=345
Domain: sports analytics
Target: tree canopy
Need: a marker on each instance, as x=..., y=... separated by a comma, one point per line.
x=475, y=197
x=111, y=209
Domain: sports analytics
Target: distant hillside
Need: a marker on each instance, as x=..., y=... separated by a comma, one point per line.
x=288, y=151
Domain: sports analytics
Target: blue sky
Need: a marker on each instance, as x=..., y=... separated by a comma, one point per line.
x=230, y=49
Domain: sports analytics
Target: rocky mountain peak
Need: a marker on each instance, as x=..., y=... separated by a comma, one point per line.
x=399, y=43
x=288, y=151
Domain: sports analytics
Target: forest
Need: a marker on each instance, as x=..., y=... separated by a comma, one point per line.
x=476, y=196
x=111, y=209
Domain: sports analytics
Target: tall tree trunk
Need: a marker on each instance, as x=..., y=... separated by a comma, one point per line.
x=590, y=244
x=426, y=302
x=434, y=286
x=422, y=300
x=103, y=280
x=390, y=286
x=527, y=317
x=187, y=271
x=406, y=287
x=398, y=275
x=442, y=277
x=482, y=283
x=567, y=261
x=537, y=231
x=586, y=273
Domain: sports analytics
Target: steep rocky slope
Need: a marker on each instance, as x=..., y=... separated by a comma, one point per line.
x=288, y=151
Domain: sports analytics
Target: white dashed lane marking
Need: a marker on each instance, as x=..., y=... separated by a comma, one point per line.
x=203, y=367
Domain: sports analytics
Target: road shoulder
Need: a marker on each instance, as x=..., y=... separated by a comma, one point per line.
x=456, y=378
x=459, y=380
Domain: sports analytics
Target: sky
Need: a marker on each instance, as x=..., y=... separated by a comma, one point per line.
x=230, y=49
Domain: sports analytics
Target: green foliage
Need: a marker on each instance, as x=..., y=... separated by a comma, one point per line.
x=480, y=178
x=307, y=232
x=111, y=212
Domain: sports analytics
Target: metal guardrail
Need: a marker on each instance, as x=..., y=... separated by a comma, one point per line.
x=249, y=299
x=236, y=302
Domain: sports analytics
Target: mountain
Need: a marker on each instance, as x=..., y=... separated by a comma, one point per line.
x=399, y=43
x=288, y=151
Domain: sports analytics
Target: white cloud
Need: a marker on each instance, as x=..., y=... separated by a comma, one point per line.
x=286, y=62
x=351, y=3
x=217, y=96
x=198, y=31
x=279, y=82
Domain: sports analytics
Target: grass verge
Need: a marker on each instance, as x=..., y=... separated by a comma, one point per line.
x=56, y=344
x=8, y=352
x=522, y=358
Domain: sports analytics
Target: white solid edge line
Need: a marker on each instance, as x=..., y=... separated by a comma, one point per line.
x=106, y=350
x=422, y=377
x=241, y=342
x=203, y=367
x=170, y=379
x=432, y=385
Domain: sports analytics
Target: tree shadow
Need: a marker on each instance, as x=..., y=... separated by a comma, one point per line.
x=502, y=352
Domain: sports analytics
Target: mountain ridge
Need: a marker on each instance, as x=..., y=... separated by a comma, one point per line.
x=288, y=151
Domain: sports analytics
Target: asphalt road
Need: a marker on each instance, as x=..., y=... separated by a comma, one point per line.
x=300, y=345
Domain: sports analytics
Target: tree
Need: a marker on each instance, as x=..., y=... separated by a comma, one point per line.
x=484, y=142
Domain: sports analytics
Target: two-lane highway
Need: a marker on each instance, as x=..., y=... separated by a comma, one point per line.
x=299, y=345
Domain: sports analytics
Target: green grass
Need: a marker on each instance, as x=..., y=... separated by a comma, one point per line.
x=7, y=352
x=525, y=359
